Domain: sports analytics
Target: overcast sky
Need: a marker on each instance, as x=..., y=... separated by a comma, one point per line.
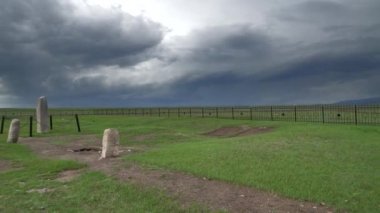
x=180, y=52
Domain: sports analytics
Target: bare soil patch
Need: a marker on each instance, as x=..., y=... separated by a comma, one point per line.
x=215, y=194
x=68, y=175
x=237, y=131
x=5, y=165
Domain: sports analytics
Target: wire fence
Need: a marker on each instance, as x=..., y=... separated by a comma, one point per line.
x=340, y=114
x=28, y=123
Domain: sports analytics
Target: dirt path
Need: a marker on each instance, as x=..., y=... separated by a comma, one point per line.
x=217, y=195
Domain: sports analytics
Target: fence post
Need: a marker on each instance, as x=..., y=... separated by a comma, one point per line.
x=250, y=113
x=31, y=126
x=233, y=115
x=159, y=112
x=323, y=114
x=190, y=112
x=178, y=112
x=2, y=124
x=271, y=113
x=356, y=115
x=217, y=112
x=203, y=112
x=77, y=120
x=51, y=122
x=295, y=113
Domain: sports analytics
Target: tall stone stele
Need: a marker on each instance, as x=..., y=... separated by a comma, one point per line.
x=14, y=131
x=110, y=143
x=42, y=115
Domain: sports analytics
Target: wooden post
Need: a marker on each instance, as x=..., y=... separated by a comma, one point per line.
x=31, y=126
x=77, y=121
x=51, y=122
x=2, y=124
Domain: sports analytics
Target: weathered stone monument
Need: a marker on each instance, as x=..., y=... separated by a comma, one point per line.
x=110, y=143
x=14, y=131
x=42, y=115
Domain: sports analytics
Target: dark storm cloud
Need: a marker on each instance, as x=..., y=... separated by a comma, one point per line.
x=43, y=42
x=326, y=76
x=241, y=65
x=317, y=80
x=309, y=52
x=314, y=12
x=339, y=18
x=236, y=48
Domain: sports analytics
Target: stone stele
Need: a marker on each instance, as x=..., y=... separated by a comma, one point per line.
x=110, y=143
x=14, y=131
x=42, y=115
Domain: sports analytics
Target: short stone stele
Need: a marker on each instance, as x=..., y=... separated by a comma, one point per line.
x=14, y=131
x=42, y=115
x=110, y=143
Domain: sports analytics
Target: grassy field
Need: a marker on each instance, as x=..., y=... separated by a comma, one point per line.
x=334, y=164
x=338, y=165
x=91, y=192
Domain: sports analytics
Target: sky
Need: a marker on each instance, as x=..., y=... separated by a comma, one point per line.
x=129, y=53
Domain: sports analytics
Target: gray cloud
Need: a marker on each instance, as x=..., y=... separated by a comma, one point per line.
x=45, y=43
x=241, y=64
x=309, y=52
x=231, y=48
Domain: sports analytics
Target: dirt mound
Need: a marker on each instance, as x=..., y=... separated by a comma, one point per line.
x=238, y=131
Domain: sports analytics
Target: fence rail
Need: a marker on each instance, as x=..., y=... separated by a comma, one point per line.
x=341, y=114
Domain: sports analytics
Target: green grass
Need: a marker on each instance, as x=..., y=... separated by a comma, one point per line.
x=334, y=164
x=91, y=192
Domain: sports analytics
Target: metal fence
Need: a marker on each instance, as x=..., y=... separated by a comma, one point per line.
x=341, y=114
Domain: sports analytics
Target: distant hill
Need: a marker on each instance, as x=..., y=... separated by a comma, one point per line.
x=374, y=100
